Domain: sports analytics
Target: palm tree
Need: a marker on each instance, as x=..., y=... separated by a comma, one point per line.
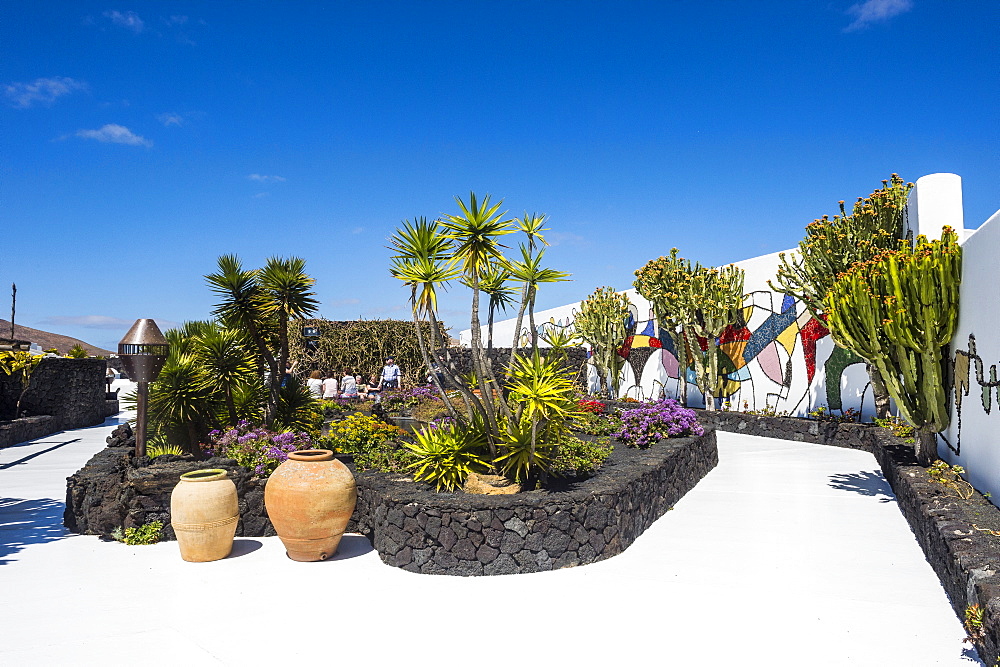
x=259, y=302
x=423, y=262
x=531, y=273
x=226, y=362
x=493, y=283
x=475, y=236
x=180, y=405
x=288, y=296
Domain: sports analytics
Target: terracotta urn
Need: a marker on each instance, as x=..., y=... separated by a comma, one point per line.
x=204, y=511
x=310, y=499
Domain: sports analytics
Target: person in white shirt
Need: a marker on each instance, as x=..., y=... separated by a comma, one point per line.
x=315, y=384
x=390, y=375
x=348, y=386
x=330, y=387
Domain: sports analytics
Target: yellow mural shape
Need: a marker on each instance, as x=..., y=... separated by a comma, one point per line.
x=734, y=350
x=788, y=337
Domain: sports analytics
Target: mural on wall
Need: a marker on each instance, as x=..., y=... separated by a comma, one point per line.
x=961, y=379
x=773, y=343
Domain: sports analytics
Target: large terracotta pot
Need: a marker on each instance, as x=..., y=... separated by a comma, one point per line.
x=310, y=499
x=204, y=511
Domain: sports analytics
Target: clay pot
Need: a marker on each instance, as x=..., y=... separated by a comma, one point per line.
x=310, y=499
x=204, y=511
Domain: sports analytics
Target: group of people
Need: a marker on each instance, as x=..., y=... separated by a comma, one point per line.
x=328, y=387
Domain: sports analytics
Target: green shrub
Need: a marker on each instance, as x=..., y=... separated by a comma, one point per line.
x=597, y=424
x=386, y=456
x=580, y=458
x=146, y=534
x=373, y=444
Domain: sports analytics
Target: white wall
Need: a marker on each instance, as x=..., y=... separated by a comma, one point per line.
x=971, y=439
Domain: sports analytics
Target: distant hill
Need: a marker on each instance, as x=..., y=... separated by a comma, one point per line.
x=48, y=340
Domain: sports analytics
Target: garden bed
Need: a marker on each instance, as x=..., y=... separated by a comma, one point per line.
x=415, y=528
x=26, y=428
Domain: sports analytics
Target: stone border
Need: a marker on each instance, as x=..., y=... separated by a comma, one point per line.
x=960, y=538
x=416, y=529
x=26, y=428
x=849, y=435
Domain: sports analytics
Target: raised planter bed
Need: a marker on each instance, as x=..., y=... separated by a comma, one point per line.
x=26, y=428
x=414, y=528
x=455, y=533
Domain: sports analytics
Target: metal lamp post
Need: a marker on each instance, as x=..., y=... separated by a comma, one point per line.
x=143, y=351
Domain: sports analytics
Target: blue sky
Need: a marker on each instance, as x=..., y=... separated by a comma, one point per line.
x=141, y=141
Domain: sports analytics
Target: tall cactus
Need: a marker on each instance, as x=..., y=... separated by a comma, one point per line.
x=898, y=311
x=832, y=246
x=601, y=322
x=714, y=296
x=664, y=283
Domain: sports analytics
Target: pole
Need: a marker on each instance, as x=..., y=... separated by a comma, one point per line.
x=140, y=419
x=13, y=302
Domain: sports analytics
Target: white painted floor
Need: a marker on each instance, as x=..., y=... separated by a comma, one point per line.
x=785, y=554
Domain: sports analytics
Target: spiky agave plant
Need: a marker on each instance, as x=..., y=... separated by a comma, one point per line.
x=447, y=455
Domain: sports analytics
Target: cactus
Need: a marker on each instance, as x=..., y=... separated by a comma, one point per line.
x=832, y=246
x=664, y=282
x=692, y=301
x=601, y=322
x=898, y=311
x=714, y=297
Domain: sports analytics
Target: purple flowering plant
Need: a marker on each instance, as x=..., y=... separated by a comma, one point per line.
x=652, y=422
x=396, y=400
x=257, y=448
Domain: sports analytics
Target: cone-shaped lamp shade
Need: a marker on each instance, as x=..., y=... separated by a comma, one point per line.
x=143, y=351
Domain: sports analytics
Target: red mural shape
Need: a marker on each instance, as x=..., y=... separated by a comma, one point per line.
x=810, y=333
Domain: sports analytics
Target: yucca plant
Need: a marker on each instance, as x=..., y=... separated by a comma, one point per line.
x=298, y=409
x=447, y=455
x=544, y=402
x=181, y=408
x=158, y=446
x=525, y=451
x=260, y=303
x=475, y=243
x=227, y=362
x=427, y=256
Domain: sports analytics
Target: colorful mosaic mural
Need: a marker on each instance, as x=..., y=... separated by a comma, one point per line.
x=774, y=341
